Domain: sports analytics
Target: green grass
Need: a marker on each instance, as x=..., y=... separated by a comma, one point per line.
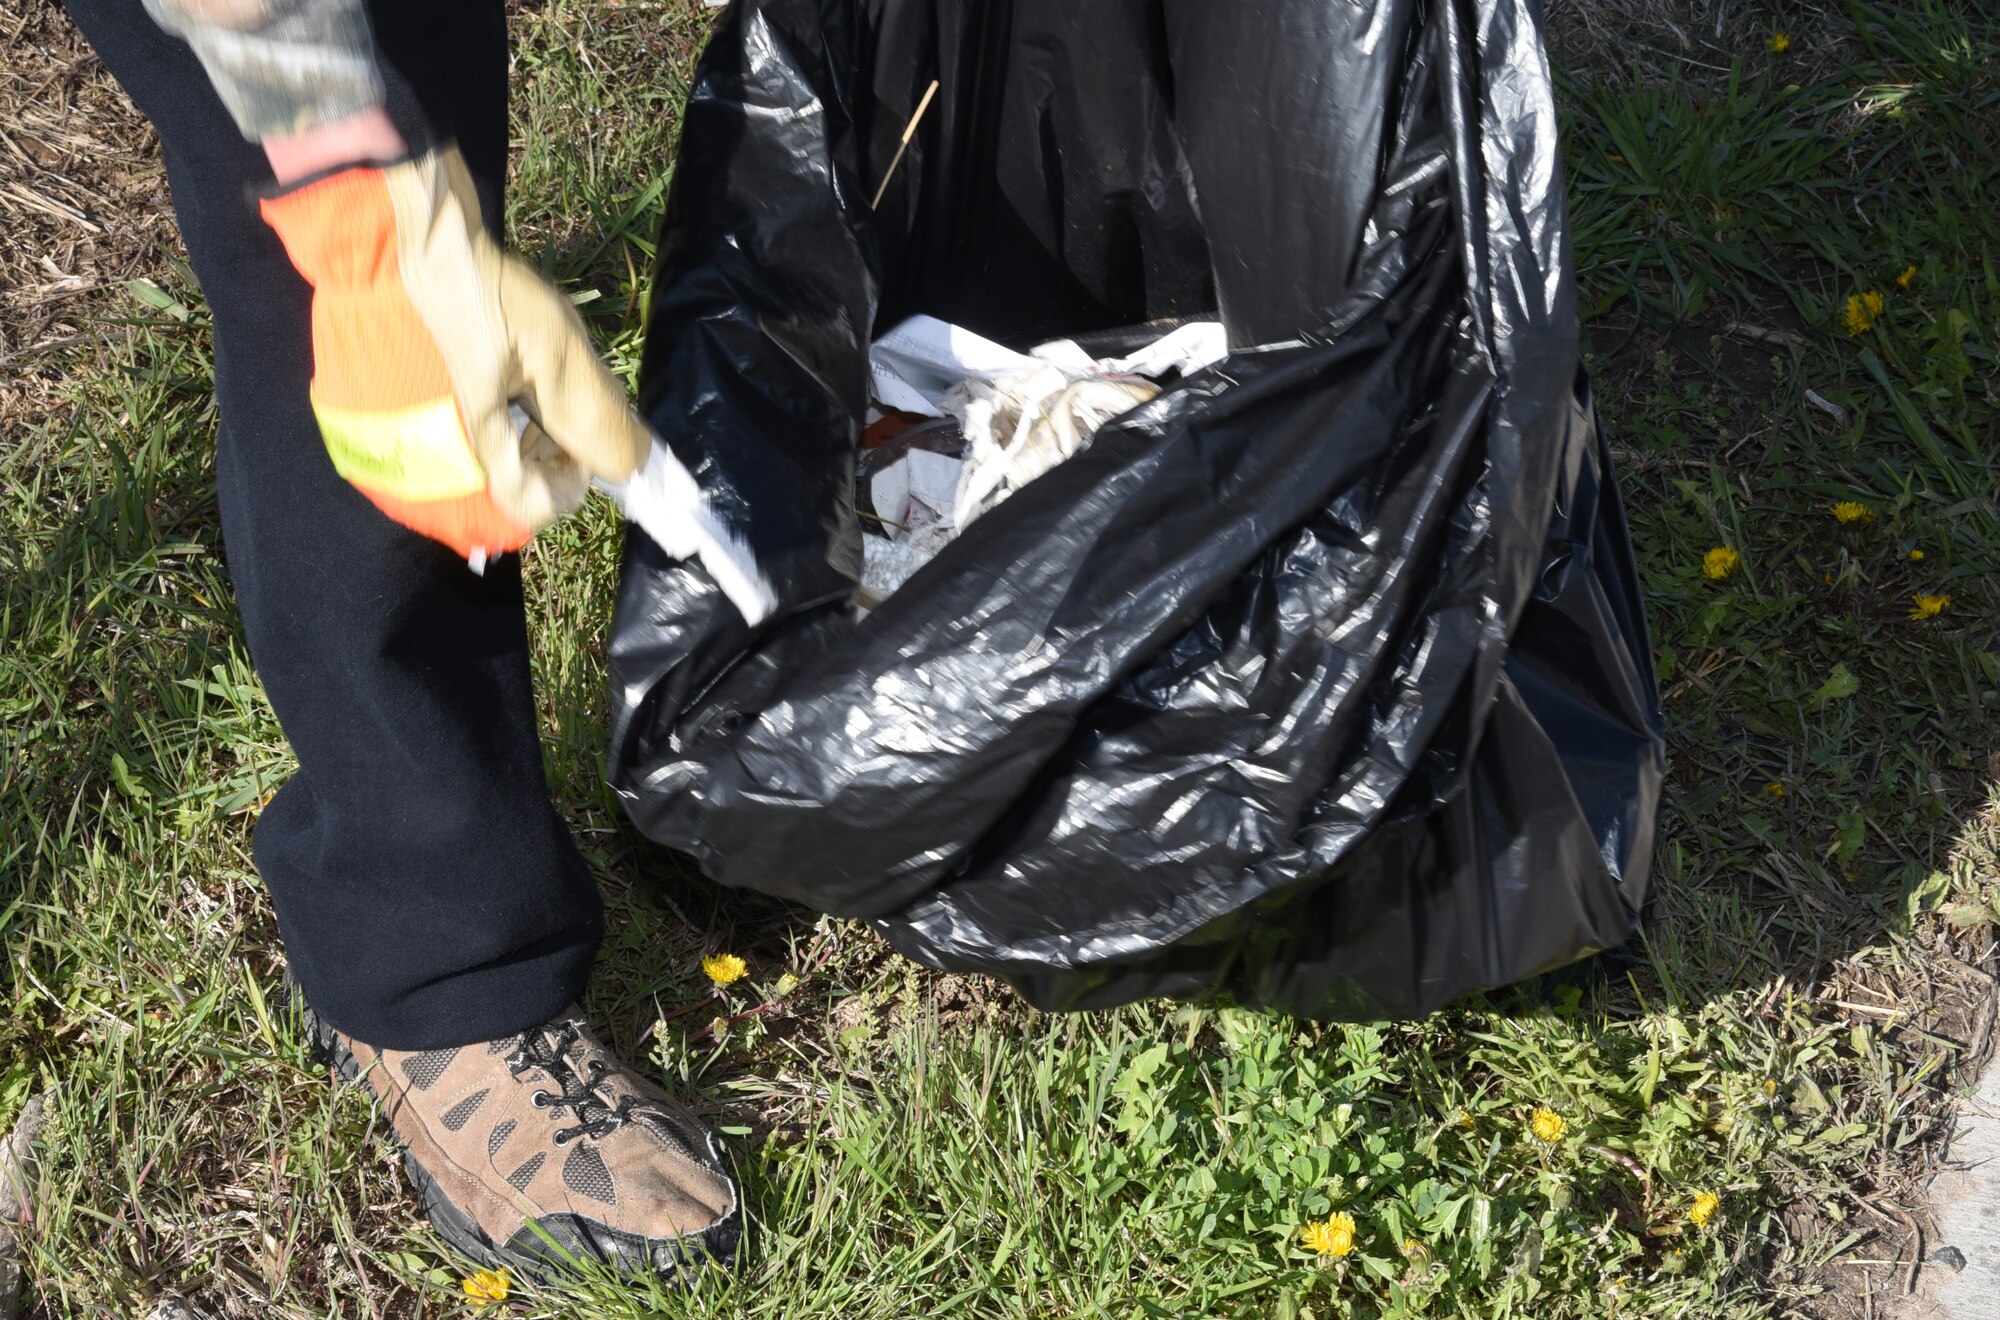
x=1786, y=1035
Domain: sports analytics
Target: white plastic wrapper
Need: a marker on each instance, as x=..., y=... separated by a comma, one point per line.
x=664, y=499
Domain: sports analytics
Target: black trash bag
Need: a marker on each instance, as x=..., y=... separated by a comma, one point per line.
x=1319, y=682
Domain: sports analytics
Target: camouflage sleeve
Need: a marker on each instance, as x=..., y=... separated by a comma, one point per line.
x=280, y=66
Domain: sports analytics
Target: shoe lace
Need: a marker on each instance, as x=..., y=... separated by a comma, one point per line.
x=547, y=1048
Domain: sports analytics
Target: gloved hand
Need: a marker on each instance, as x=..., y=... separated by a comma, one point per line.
x=423, y=332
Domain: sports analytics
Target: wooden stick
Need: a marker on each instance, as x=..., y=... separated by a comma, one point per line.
x=909, y=131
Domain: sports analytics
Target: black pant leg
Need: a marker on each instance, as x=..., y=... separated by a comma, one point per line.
x=427, y=892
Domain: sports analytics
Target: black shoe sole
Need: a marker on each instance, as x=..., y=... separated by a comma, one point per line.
x=568, y=1240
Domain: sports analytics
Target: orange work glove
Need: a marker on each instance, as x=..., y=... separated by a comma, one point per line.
x=424, y=332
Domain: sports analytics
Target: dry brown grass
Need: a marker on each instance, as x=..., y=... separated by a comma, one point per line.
x=83, y=205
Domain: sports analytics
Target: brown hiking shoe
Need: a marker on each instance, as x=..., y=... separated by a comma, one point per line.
x=542, y=1149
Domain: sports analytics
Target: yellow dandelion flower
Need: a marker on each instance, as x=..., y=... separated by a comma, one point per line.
x=1929, y=607
x=1862, y=309
x=1720, y=562
x=724, y=968
x=1779, y=43
x=1907, y=278
x=1547, y=1125
x=1413, y=1249
x=1466, y=1120
x=1916, y=556
x=1853, y=511
x=486, y=1286
x=1774, y=789
x=1332, y=1236
x=1704, y=1209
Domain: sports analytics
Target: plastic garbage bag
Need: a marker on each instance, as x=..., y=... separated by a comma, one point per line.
x=1320, y=680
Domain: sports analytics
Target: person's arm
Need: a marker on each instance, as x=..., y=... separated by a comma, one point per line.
x=298, y=75
x=283, y=68
x=454, y=387
x=357, y=139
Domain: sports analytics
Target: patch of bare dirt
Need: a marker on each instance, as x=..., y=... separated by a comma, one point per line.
x=1918, y=999
x=83, y=204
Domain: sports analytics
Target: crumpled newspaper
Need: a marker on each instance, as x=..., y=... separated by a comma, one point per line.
x=1019, y=427
x=1021, y=414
